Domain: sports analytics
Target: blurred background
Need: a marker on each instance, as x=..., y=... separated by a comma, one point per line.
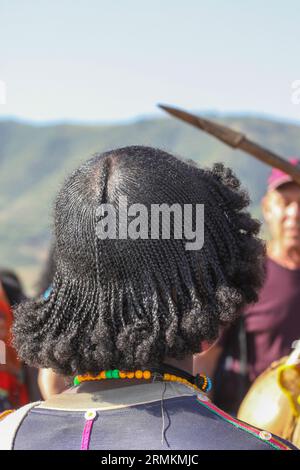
x=80, y=77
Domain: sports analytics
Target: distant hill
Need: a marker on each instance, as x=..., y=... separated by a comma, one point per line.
x=35, y=159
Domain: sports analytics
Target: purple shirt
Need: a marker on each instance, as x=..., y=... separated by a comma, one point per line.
x=273, y=323
x=270, y=327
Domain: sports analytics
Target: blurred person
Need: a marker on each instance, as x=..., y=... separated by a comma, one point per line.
x=12, y=286
x=128, y=316
x=15, y=294
x=267, y=329
x=4, y=309
x=13, y=390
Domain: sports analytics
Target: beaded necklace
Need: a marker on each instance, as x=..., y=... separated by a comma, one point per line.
x=200, y=382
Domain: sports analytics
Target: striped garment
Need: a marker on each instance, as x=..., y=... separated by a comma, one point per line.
x=160, y=416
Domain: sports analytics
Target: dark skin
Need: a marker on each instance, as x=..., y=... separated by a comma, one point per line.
x=52, y=384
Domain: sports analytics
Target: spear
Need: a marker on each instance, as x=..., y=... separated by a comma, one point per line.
x=235, y=140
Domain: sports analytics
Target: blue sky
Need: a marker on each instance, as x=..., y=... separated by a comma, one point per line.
x=95, y=60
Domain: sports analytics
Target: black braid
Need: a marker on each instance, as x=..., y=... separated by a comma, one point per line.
x=130, y=303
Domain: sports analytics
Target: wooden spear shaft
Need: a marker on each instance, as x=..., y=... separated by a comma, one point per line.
x=235, y=140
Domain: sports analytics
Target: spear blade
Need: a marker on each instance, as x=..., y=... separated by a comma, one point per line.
x=235, y=140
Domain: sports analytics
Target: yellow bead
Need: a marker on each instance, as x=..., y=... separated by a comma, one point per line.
x=122, y=375
x=147, y=374
x=130, y=375
x=139, y=374
x=167, y=377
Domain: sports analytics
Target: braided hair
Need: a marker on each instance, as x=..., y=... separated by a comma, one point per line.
x=47, y=274
x=128, y=303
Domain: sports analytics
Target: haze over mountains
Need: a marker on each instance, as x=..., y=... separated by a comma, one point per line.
x=35, y=159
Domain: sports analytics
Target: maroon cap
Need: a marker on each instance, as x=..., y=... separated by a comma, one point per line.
x=278, y=177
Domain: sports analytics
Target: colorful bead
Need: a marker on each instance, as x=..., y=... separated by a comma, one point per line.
x=139, y=374
x=115, y=374
x=76, y=380
x=202, y=382
x=209, y=385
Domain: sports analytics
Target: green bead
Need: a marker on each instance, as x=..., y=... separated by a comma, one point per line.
x=76, y=380
x=108, y=374
x=115, y=374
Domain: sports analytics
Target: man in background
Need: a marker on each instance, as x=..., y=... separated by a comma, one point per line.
x=267, y=329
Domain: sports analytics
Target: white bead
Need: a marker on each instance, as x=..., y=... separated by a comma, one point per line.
x=203, y=397
x=90, y=414
x=265, y=435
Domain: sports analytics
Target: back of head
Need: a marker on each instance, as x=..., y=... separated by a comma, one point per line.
x=47, y=274
x=123, y=301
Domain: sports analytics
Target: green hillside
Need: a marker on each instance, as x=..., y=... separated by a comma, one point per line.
x=35, y=159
